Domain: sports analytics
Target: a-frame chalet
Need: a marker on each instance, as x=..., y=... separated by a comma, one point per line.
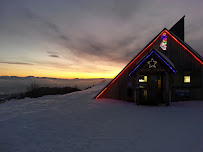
x=166, y=70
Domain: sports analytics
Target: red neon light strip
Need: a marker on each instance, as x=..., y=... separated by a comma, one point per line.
x=185, y=48
x=141, y=54
x=127, y=67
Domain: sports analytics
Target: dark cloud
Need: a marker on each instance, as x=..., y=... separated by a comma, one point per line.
x=90, y=47
x=110, y=52
x=19, y=63
x=34, y=17
x=63, y=37
x=87, y=46
x=53, y=55
x=47, y=27
x=126, y=41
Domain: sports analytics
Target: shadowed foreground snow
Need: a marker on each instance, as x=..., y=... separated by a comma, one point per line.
x=77, y=123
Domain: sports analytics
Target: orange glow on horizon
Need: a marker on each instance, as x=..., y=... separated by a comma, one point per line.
x=36, y=71
x=64, y=75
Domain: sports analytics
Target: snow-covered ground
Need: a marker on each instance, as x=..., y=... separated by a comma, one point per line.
x=77, y=123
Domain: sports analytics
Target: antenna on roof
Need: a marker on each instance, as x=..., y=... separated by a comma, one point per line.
x=178, y=29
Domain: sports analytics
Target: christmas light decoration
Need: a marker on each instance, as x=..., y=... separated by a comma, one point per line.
x=163, y=44
x=152, y=63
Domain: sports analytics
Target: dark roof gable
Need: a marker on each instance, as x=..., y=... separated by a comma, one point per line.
x=166, y=60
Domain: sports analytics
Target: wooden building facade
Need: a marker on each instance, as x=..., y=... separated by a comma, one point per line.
x=166, y=70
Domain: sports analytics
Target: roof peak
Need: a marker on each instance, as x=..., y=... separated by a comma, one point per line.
x=178, y=29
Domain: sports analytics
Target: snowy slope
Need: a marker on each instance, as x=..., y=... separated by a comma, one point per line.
x=10, y=85
x=77, y=123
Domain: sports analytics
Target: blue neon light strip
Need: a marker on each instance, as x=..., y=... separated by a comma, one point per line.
x=148, y=57
x=140, y=63
x=165, y=62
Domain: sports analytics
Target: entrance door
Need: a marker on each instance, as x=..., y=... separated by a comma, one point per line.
x=155, y=95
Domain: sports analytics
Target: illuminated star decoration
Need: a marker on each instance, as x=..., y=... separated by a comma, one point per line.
x=152, y=63
x=163, y=44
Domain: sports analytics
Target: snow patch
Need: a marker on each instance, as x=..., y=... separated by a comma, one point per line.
x=77, y=122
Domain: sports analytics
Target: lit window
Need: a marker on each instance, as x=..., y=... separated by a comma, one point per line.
x=186, y=79
x=143, y=79
x=159, y=83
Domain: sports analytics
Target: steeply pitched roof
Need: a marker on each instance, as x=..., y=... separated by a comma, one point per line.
x=178, y=29
x=178, y=40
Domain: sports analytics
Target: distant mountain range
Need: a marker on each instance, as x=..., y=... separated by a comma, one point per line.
x=29, y=77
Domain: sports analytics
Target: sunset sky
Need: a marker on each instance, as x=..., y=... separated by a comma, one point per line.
x=86, y=38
